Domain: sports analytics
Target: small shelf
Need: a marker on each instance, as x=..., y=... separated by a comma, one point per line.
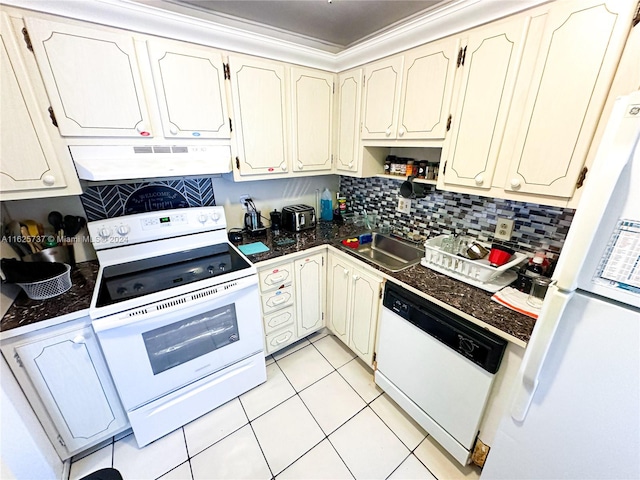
x=401, y=178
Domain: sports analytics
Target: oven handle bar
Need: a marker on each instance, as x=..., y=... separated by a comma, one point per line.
x=195, y=298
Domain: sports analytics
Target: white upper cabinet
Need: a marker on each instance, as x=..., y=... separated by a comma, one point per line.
x=189, y=84
x=489, y=66
x=349, y=94
x=578, y=55
x=311, y=119
x=382, y=91
x=30, y=161
x=92, y=79
x=258, y=91
x=427, y=86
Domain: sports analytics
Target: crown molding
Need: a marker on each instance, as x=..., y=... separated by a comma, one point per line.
x=176, y=23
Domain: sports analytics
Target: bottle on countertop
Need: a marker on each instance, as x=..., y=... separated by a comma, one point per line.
x=538, y=265
x=326, y=205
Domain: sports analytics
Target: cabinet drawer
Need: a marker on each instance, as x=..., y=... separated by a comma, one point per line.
x=279, y=339
x=276, y=300
x=275, y=277
x=279, y=319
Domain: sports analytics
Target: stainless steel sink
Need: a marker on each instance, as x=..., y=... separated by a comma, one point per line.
x=388, y=252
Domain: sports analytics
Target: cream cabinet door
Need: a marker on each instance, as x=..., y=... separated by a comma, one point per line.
x=427, y=86
x=365, y=304
x=92, y=79
x=491, y=59
x=311, y=119
x=339, y=284
x=28, y=157
x=258, y=90
x=348, y=131
x=73, y=382
x=382, y=93
x=579, y=53
x=189, y=84
x=310, y=293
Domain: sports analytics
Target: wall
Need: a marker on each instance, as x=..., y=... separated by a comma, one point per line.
x=110, y=199
x=536, y=226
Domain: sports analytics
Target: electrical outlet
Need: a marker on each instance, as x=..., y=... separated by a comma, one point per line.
x=404, y=205
x=243, y=201
x=504, y=229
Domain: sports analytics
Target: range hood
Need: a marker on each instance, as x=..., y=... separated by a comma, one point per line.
x=108, y=162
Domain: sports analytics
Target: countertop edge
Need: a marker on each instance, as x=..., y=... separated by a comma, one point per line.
x=42, y=324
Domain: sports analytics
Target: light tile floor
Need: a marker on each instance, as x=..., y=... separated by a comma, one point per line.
x=319, y=415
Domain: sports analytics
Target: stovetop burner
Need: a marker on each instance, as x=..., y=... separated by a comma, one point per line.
x=142, y=277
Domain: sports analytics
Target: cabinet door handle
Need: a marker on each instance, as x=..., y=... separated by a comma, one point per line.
x=479, y=179
x=141, y=128
x=49, y=180
x=346, y=272
x=401, y=132
x=78, y=339
x=283, y=166
x=350, y=164
x=279, y=300
x=300, y=165
x=356, y=277
x=388, y=132
x=515, y=183
x=173, y=130
x=276, y=279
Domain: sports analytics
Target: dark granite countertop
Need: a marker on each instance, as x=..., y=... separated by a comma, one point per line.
x=459, y=295
x=25, y=311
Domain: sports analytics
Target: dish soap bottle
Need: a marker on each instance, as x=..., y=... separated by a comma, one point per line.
x=326, y=206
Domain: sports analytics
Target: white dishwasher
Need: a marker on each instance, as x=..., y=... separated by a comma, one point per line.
x=437, y=366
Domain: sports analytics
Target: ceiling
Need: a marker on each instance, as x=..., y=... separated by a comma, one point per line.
x=333, y=26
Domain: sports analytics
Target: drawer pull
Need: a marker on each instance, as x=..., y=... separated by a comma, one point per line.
x=279, y=300
x=276, y=278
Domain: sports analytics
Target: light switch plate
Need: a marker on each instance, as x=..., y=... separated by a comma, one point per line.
x=504, y=229
x=404, y=205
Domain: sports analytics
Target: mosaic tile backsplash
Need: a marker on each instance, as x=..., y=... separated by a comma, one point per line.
x=536, y=226
x=108, y=201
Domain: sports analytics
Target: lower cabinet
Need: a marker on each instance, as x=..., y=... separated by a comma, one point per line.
x=292, y=299
x=353, y=304
x=65, y=378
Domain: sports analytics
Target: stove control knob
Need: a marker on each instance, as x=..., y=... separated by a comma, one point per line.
x=121, y=291
x=211, y=269
x=222, y=266
x=104, y=232
x=215, y=216
x=202, y=218
x=138, y=286
x=123, y=230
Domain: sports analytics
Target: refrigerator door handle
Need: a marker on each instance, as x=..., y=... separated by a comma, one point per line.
x=617, y=146
x=537, y=349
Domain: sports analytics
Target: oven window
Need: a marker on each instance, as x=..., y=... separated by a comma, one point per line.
x=182, y=341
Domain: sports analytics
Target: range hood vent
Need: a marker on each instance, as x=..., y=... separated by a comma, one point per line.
x=108, y=162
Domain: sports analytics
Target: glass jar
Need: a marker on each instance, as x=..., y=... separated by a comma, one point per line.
x=402, y=170
x=410, y=167
x=422, y=169
x=387, y=164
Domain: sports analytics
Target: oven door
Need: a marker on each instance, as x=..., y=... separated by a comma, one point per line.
x=156, y=349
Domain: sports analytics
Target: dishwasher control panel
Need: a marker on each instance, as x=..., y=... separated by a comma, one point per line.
x=469, y=340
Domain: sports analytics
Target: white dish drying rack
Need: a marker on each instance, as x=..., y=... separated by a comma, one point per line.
x=478, y=273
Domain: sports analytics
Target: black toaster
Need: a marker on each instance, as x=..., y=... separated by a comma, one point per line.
x=298, y=217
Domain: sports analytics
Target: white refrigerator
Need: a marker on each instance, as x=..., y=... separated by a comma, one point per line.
x=575, y=411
